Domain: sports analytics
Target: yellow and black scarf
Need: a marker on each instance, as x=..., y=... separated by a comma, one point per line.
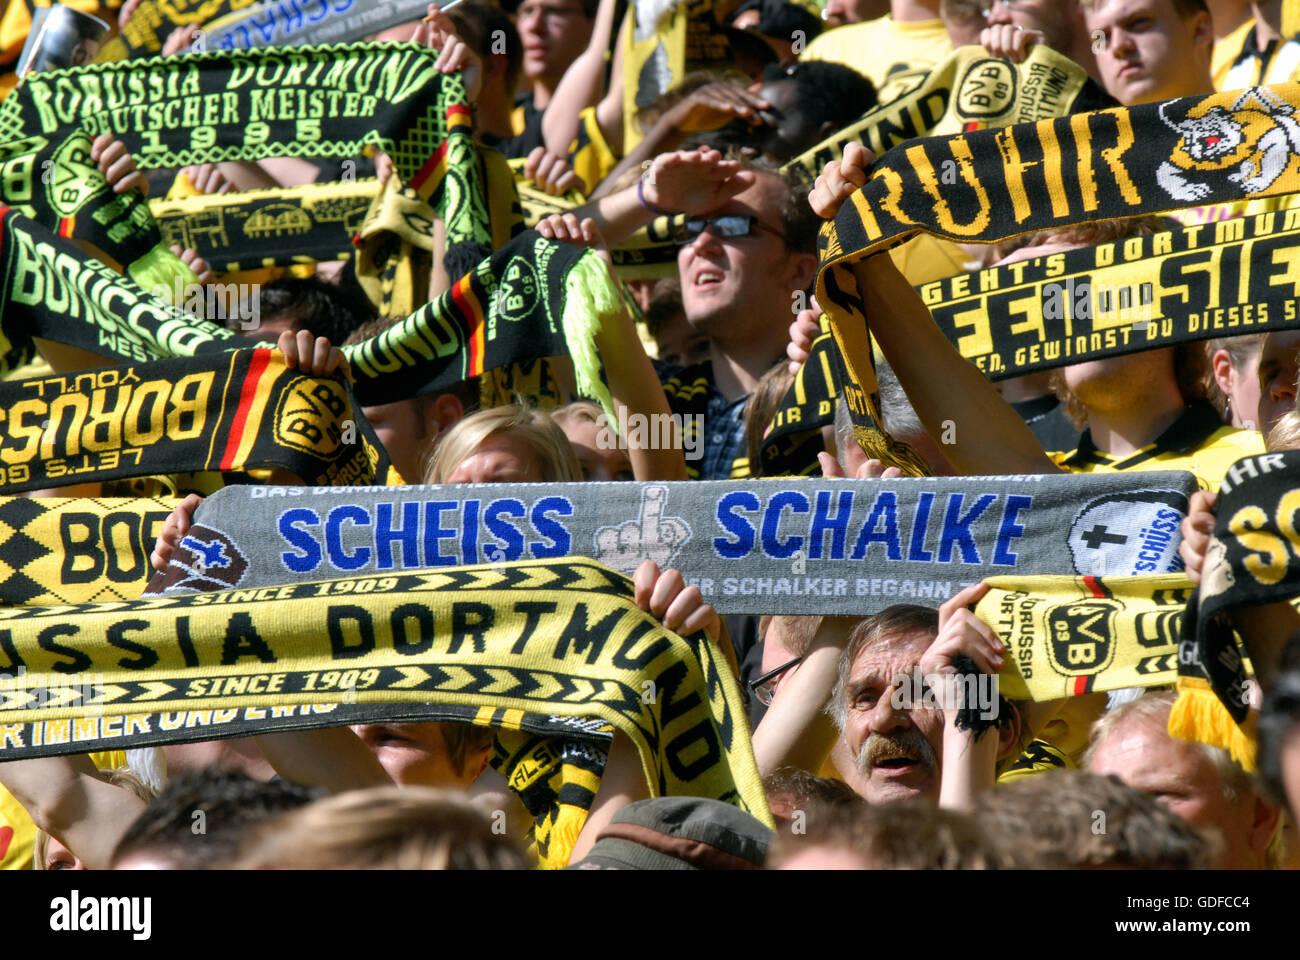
x=230, y=412
x=557, y=638
x=1116, y=163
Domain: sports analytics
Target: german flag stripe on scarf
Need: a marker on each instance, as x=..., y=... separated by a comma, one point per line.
x=1116, y=163
x=232, y=411
x=1067, y=636
x=565, y=639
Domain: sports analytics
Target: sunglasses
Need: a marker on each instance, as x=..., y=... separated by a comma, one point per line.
x=728, y=225
x=765, y=686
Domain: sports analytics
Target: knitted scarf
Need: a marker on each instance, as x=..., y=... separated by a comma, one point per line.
x=560, y=638
x=1121, y=162
x=286, y=23
x=232, y=411
x=969, y=90
x=848, y=547
x=1252, y=559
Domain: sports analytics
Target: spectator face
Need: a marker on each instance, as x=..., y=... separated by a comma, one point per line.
x=1277, y=377
x=679, y=343
x=400, y=427
x=499, y=459
x=59, y=857
x=1111, y=382
x=553, y=33
x=730, y=284
x=787, y=131
x=415, y=754
x=1149, y=50
x=898, y=749
x=598, y=463
x=1180, y=776
x=1056, y=21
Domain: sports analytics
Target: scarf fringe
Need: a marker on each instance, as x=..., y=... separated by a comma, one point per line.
x=1199, y=716
x=160, y=268
x=590, y=296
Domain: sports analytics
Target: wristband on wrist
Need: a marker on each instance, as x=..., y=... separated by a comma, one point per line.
x=640, y=198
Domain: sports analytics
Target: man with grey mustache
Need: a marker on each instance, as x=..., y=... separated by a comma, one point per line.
x=907, y=746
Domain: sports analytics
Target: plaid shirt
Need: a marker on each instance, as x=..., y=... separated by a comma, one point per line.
x=691, y=392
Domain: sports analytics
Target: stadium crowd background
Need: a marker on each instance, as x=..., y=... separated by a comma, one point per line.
x=853, y=780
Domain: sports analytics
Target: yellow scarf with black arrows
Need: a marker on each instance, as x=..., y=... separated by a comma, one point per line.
x=556, y=637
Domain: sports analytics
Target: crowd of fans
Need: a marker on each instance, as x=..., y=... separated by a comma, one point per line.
x=853, y=780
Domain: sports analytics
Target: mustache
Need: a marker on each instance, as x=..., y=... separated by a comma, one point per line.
x=902, y=743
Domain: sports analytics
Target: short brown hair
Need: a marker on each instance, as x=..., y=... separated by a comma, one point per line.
x=909, y=835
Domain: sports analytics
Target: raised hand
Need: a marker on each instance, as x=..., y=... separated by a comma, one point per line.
x=803, y=331
x=191, y=259
x=679, y=608
x=438, y=32
x=693, y=181
x=313, y=355
x=175, y=528
x=117, y=166
x=715, y=105
x=1009, y=41
x=650, y=537
x=208, y=178
x=839, y=179
x=552, y=173
x=1197, y=528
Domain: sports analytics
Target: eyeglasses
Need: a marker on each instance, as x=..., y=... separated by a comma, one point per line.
x=765, y=686
x=727, y=225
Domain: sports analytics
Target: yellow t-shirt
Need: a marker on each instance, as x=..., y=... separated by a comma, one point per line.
x=879, y=48
x=1197, y=442
x=1226, y=51
x=1248, y=67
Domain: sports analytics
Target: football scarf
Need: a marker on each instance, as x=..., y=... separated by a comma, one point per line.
x=969, y=90
x=395, y=244
x=1222, y=279
x=335, y=100
x=77, y=550
x=1252, y=559
x=662, y=42
x=296, y=22
x=232, y=411
x=564, y=638
x=794, y=438
x=50, y=289
x=1088, y=166
x=268, y=228
x=531, y=299
x=1067, y=636
x=802, y=547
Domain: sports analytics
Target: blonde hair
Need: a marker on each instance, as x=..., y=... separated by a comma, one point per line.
x=381, y=828
x=1285, y=434
x=580, y=411
x=537, y=431
x=123, y=777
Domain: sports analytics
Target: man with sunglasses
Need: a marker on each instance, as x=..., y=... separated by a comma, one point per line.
x=748, y=255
